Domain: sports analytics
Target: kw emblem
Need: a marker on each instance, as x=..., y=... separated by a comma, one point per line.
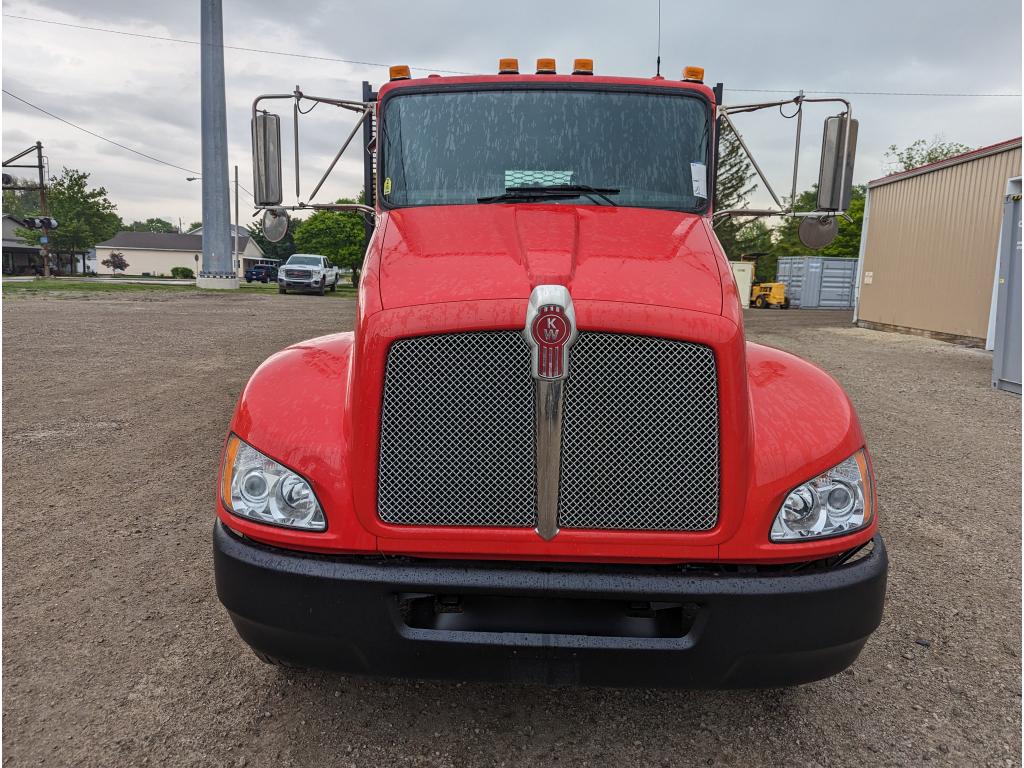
x=550, y=331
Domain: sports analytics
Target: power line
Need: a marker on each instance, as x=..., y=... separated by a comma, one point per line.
x=463, y=72
x=110, y=141
x=229, y=47
x=98, y=136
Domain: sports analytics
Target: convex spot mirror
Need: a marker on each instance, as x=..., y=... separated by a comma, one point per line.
x=275, y=224
x=266, y=161
x=835, y=177
x=818, y=231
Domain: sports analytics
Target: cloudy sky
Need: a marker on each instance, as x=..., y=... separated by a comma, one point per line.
x=144, y=93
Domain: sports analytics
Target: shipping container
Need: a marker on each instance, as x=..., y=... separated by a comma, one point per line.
x=1006, y=357
x=818, y=282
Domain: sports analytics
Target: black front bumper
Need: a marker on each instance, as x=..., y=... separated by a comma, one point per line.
x=299, y=285
x=590, y=625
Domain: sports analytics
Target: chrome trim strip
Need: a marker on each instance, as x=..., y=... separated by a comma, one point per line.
x=549, y=400
x=550, y=305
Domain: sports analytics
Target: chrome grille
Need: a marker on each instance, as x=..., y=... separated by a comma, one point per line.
x=456, y=443
x=640, y=435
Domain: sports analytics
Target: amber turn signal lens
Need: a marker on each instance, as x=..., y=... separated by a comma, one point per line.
x=583, y=67
x=230, y=453
x=508, y=66
x=546, y=67
x=399, y=72
x=694, y=74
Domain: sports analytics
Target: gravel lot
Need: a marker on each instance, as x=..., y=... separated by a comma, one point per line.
x=116, y=651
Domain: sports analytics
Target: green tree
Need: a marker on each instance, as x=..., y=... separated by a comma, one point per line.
x=21, y=203
x=152, y=225
x=338, y=235
x=758, y=238
x=733, y=187
x=196, y=225
x=85, y=215
x=921, y=152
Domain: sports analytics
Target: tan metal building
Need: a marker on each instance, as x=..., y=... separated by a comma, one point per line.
x=928, y=254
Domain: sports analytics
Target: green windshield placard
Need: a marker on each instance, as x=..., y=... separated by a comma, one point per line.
x=536, y=178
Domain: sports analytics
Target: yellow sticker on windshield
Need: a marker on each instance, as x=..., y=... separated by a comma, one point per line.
x=387, y=186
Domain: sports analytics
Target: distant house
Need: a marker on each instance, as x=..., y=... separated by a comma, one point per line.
x=156, y=253
x=19, y=257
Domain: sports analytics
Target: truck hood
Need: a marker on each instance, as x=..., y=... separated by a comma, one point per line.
x=476, y=252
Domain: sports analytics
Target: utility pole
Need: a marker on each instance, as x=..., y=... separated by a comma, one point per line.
x=238, y=256
x=44, y=210
x=218, y=268
x=44, y=221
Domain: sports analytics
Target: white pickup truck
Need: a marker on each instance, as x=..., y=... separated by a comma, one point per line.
x=307, y=272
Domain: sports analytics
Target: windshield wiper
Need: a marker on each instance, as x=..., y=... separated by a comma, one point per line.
x=557, y=191
x=591, y=192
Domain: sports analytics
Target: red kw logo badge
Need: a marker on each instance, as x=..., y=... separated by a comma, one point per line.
x=551, y=331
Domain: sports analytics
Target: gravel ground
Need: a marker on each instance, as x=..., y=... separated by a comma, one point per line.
x=116, y=651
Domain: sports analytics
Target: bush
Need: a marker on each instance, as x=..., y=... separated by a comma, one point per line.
x=182, y=273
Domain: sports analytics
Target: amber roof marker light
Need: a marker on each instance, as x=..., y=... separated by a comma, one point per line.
x=693, y=74
x=399, y=72
x=508, y=66
x=546, y=67
x=583, y=67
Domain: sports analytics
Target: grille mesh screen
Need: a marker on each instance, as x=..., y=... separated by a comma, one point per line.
x=640, y=433
x=456, y=443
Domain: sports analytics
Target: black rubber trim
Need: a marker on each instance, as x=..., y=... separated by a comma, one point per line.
x=739, y=630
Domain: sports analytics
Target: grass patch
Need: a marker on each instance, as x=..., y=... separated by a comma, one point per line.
x=43, y=285
x=63, y=287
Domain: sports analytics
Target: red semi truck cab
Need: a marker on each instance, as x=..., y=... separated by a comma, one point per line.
x=547, y=452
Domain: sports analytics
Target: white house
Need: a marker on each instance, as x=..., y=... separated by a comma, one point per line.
x=156, y=253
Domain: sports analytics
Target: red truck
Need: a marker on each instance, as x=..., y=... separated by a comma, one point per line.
x=547, y=452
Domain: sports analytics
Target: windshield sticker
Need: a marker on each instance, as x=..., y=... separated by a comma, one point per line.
x=387, y=186
x=698, y=172
x=536, y=178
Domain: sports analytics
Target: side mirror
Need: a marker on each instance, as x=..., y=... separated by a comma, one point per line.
x=266, y=160
x=275, y=224
x=835, y=177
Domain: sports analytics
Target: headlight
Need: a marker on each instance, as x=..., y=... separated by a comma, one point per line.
x=258, y=488
x=833, y=503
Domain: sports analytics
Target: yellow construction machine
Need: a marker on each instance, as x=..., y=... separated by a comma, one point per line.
x=763, y=295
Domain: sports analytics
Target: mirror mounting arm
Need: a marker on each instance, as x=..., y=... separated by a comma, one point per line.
x=824, y=213
x=337, y=157
x=296, y=97
x=366, y=210
x=750, y=156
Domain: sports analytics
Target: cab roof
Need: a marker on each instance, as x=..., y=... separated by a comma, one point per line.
x=439, y=82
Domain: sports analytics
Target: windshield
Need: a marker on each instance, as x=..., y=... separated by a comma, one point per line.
x=304, y=261
x=644, y=149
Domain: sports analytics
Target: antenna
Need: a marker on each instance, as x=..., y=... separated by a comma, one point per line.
x=657, y=71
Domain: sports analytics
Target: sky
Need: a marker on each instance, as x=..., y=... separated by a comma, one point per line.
x=144, y=93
